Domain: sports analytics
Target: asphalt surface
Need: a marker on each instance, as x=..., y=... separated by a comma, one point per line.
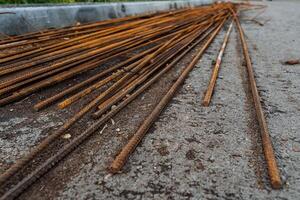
x=192, y=152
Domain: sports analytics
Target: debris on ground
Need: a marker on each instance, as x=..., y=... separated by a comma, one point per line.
x=291, y=62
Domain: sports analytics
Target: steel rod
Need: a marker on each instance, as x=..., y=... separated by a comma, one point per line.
x=273, y=170
x=213, y=79
x=127, y=150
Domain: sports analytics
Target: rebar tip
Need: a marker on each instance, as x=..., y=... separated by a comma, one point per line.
x=276, y=183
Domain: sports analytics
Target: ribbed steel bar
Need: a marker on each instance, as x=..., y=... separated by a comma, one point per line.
x=162, y=60
x=58, y=96
x=214, y=75
x=126, y=28
x=50, y=162
x=45, y=143
x=72, y=99
x=273, y=171
x=68, y=31
x=37, y=72
x=122, y=157
x=174, y=24
x=95, y=62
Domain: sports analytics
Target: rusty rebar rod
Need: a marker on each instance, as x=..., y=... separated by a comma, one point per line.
x=46, y=142
x=59, y=64
x=273, y=171
x=177, y=25
x=95, y=62
x=85, y=39
x=56, y=97
x=50, y=162
x=85, y=92
x=214, y=75
x=182, y=44
x=122, y=157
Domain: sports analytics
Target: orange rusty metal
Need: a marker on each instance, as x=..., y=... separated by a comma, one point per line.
x=273, y=170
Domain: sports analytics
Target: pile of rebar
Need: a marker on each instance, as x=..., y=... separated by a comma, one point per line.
x=41, y=60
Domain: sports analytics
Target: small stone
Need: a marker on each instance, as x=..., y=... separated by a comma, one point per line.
x=211, y=159
x=293, y=138
x=284, y=138
x=213, y=62
x=199, y=165
x=67, y=136
x=296, y=148
x=236, y=155
x=190, y=154
x=112, y=121
x=163, y=151
x=107, y=176
x=113, y=107
x=218, y=132
x=211, y=171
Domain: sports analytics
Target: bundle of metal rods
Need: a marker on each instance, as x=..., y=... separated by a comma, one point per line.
x=27, y=71
x=40, y=60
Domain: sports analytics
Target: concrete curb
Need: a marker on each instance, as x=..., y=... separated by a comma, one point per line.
x=32, y=18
